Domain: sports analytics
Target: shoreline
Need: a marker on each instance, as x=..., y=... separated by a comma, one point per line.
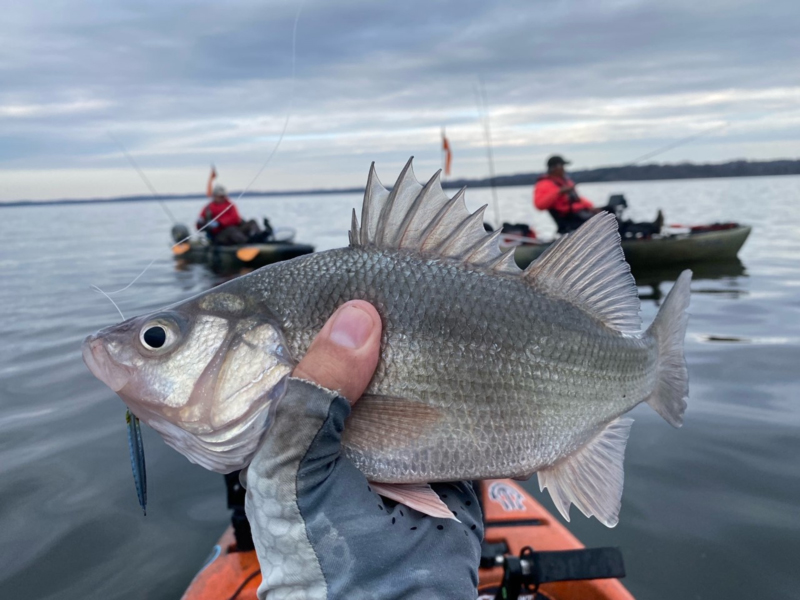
x=653, y=172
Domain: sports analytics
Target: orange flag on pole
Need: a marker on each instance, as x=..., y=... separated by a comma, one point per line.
x=210, y=187
x=448, y=155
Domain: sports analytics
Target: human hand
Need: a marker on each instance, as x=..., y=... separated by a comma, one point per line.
x=318, y=527
x=567, y=188
x=344, y=355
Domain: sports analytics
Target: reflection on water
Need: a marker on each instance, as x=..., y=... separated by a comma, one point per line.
x=700, y=272
x=722, y=338
x=729, y=274
x=216, y=272
x=699, y=503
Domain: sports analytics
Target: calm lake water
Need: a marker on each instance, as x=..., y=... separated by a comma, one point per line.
x=710, y=511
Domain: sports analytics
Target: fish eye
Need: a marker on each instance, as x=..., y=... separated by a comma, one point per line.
x=158, y=334
x=154, y=337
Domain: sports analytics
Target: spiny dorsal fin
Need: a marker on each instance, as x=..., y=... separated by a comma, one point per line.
x=423, y=218
x=588, y=269
x=370, y=210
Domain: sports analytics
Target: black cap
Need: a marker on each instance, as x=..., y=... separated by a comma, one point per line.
x=556, y=160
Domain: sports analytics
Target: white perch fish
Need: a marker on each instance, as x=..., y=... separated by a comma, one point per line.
x=486, y=370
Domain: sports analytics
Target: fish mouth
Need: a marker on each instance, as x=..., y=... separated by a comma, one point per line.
x=100, y=364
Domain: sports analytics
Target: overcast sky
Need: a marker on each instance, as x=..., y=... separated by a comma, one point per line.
x=186, y=84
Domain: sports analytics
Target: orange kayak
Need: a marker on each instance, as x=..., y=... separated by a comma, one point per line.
x=514, y=521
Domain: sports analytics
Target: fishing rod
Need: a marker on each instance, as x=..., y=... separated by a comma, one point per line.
x=483, y=114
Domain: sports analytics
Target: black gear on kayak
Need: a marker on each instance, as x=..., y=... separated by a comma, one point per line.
x=522, y=229
x=241, y=526
x=569, y=222
x=180, y=232
x=531, y=569
x=513, y=579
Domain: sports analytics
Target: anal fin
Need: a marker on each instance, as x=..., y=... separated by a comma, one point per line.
x=593, y=477
x=419, y=496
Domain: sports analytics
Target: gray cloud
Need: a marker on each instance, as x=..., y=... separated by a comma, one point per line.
x=186, y=83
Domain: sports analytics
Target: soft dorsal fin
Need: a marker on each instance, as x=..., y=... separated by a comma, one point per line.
x=591, y=478
x=422, y=218
x=588, y=269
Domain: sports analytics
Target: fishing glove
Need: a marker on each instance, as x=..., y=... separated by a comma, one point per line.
x=321, y=532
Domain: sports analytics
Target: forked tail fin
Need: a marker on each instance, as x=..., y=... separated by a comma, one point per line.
x=669, y=397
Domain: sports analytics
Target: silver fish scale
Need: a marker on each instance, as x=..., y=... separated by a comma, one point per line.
x=516, y=380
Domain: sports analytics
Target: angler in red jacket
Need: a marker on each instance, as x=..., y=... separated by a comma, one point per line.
x=555, y=193
x=225, y=225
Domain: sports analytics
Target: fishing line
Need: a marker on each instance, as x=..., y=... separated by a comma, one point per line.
x=150, y=186
x=675, y=144
x=152, y=189
x=289, y=107
x=135, y=279
x=97, y=289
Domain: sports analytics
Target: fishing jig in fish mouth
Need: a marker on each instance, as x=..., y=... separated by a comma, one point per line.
x=136, y=449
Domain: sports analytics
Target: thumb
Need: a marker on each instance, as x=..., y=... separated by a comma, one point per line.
x=345, y=353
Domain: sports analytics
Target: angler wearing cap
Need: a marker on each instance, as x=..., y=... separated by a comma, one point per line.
x=555, y=193
x=225, y=225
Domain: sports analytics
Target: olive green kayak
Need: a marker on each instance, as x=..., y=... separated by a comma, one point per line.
x=694, y=246
x=246, y=255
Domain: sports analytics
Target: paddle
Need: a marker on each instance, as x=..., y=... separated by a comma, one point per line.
x=181, y=249
x=247, y=253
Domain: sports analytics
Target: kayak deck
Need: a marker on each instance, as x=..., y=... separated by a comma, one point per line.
x=513, y=517
x=513, y=520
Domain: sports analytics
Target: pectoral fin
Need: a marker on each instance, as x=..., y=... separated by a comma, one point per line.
x=384, y=423
x=593, y=477
x=418, y=496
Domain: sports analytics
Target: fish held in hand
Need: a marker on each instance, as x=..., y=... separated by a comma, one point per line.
x=486, y=370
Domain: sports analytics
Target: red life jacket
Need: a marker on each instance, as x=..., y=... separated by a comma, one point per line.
x=216, y=211
x=547, y=195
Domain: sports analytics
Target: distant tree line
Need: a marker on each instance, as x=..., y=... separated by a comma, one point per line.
x=738, y=168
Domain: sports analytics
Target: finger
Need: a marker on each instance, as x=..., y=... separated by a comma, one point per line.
x=345, y=353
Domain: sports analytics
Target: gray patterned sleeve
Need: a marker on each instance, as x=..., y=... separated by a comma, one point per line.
x=321, y=532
